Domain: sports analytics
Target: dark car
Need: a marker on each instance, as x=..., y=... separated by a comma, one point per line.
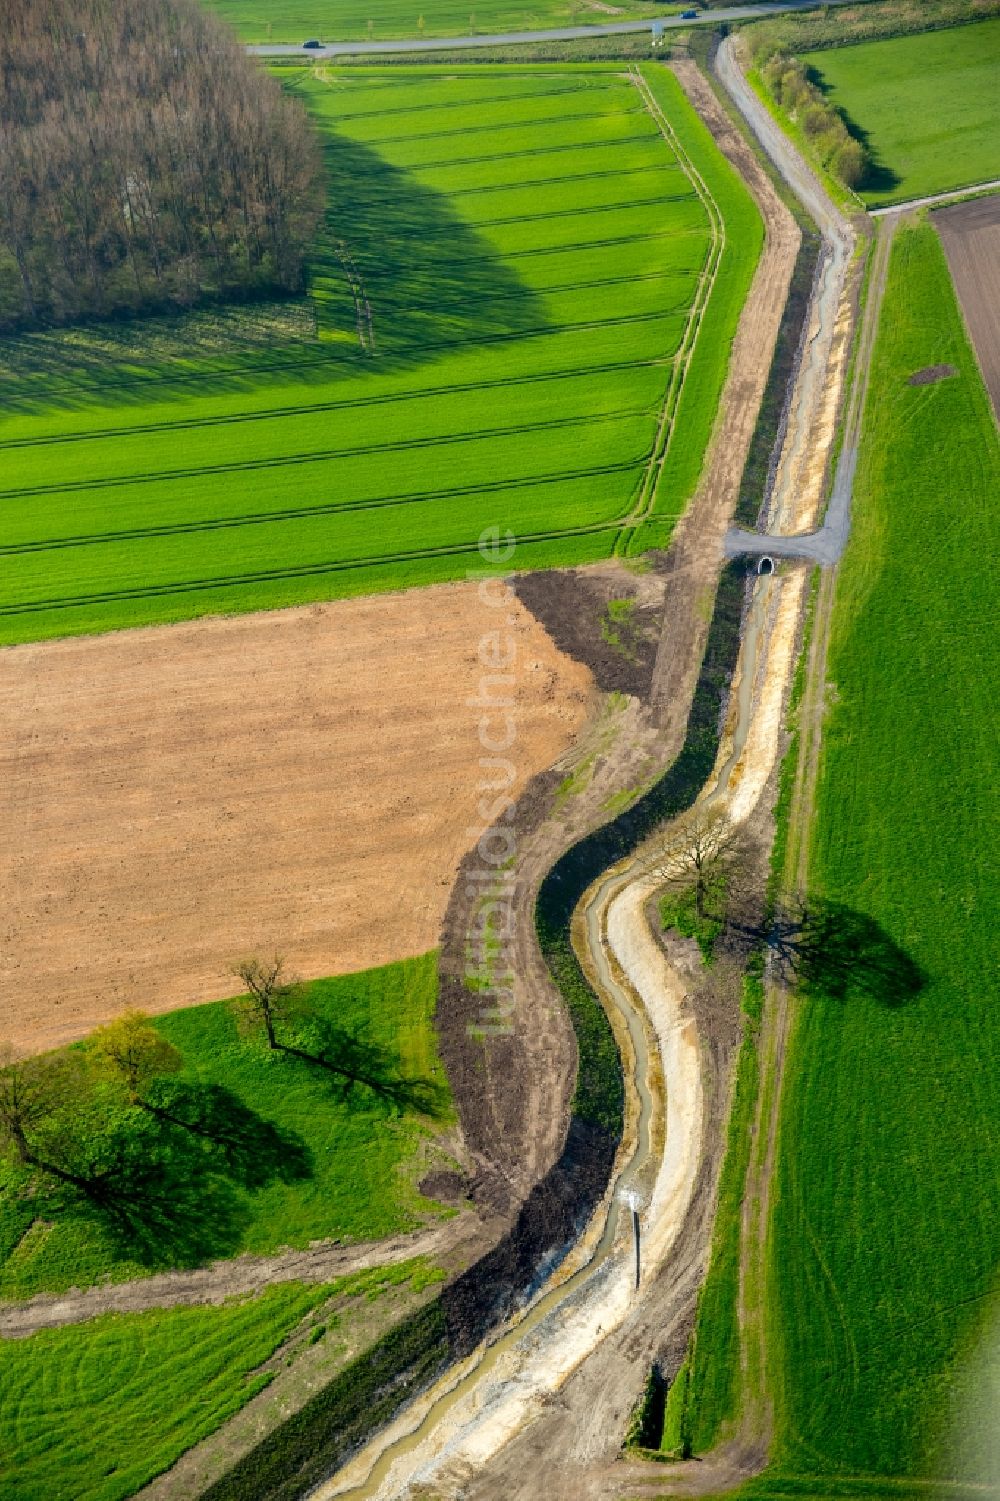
x=312, y=43
x=689, y=15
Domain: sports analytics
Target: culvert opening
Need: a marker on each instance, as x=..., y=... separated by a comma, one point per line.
x=766, y=565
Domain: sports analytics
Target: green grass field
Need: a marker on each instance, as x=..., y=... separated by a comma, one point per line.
x=383, y=20
x=886, y=1240
x=926, y=106
x=300, y=1159
x=535, y=261
x=94, y=1411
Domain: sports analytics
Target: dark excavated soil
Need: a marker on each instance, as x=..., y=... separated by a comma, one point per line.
x=572, y=604
x=930, y=375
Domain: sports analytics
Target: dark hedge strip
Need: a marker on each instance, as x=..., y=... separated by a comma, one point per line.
x=765, y=445
x=599, y=1093
x=318, y=1438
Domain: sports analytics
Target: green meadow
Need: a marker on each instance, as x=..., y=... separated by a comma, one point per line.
x=924, y=104
x=383, y=20
x=501, y=312
x=256, y=1150
x=886, y=1241
x=94, y=1411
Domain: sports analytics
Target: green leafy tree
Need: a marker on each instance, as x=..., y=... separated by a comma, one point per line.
x=132, y=1051
x=38, y=1098
x=850, y=163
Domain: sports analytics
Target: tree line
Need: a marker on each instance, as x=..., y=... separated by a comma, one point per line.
x=145, y=161
x=787, y=79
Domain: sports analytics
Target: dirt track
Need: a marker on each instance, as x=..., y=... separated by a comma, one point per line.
x=323, y=1262
x=304, y=779
x=970, y=233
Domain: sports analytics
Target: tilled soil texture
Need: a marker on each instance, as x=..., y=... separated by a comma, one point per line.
x=970, y=234
x=307, y=780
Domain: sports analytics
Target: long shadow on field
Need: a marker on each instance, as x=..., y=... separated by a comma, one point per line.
x=354, y=1064
x=396, y=280
x=243, y=1146
x=828, y=949
x=170, y=1178
x=878, y=178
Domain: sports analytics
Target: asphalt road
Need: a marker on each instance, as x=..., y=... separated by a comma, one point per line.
x=825, y=545
x=901, y=208
x=559, y=34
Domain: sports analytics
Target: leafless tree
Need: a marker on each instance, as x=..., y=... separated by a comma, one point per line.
x=145, y=160
x=696, y=849
x=271, y=997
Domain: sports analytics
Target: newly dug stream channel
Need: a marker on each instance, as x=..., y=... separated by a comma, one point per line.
x=465, y=1420
x=467, y=1431
x=476, y=1407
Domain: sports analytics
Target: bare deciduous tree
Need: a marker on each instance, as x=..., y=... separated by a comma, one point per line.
x=271, y=997
x=696, y=849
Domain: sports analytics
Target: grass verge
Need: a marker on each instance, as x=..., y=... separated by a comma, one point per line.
x=884, y=1247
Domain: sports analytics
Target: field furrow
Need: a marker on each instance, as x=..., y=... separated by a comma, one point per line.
x=536, y=253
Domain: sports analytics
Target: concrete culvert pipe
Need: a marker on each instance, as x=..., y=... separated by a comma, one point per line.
x=766, y=565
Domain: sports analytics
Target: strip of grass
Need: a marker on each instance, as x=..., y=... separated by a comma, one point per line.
x=925, y=105
x=528, y=246
x=314, y=1160
x=315, y=1441
x=885, y=1239
x=384, y=20
x=698, y=405
x=96, y=1410
x=711, y=1389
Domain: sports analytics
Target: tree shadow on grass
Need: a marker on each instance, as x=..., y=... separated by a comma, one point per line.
x=356, y=1064
x=827, y=949
x=430, y=279
x=248, y=1149
x=878, y=177
x=170, y=1180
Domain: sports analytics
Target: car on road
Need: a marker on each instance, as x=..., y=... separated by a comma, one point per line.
x=312, y=43
x=689, y=15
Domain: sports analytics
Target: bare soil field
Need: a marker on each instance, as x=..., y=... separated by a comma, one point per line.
x=307, y=780
x=970, y=234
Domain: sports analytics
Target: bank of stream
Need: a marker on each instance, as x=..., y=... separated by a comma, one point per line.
x=411, y=1379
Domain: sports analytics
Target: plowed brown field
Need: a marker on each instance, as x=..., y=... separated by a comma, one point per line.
x=305, y=780
x=970, y=233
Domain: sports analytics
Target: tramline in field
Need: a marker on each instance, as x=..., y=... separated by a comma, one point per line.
x=519, y=315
